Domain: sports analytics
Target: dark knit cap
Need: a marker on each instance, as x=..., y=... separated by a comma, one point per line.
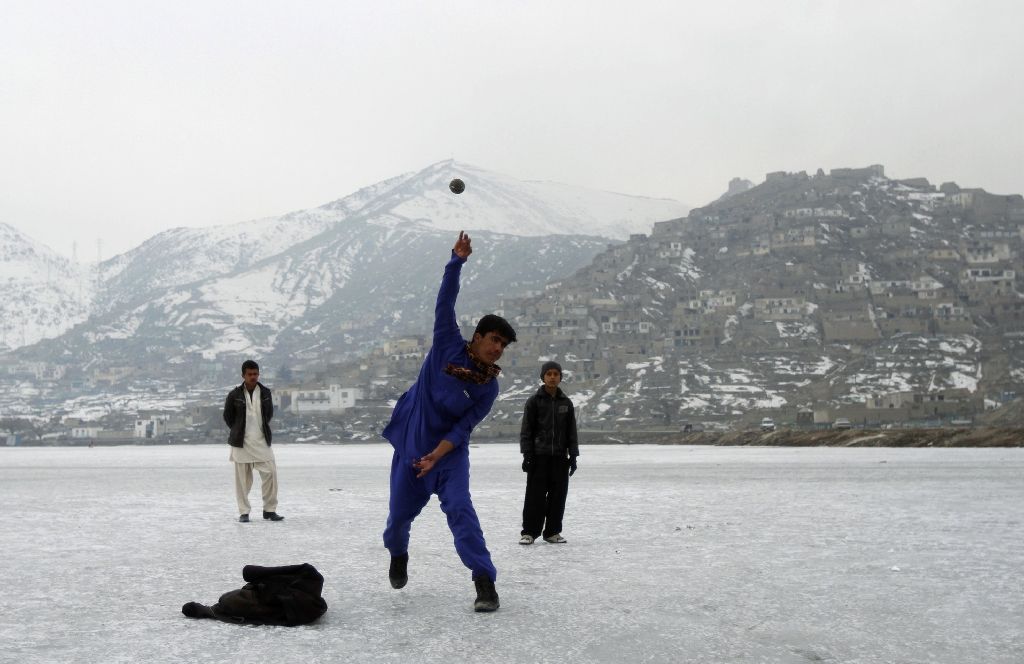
x=549, y=365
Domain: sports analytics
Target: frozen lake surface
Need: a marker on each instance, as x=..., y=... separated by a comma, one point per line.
x=675, y=554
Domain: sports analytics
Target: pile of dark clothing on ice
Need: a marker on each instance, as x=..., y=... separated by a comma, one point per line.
x=287, y=595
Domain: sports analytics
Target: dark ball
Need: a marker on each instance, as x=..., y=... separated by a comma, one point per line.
x=457, y=186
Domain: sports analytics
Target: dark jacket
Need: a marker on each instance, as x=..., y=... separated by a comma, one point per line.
x=234, y=413
x=549, y=425
x=287, y=595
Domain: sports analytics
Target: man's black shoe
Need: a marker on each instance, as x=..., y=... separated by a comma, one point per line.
x=244, y=518
x=272, y=516
x=398, y=573
x=486, y=595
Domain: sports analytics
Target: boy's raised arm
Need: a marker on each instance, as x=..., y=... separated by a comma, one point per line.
x=445, y=321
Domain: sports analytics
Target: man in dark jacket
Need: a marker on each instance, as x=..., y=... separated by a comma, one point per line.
x=550, y=446
x=247, y=412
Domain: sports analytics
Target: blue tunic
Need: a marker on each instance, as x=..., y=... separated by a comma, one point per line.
x=439, y=407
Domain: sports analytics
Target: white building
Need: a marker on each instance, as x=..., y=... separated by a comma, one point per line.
x=989, y=274
x=925, y=283
x=332, y=399
x=150, y=427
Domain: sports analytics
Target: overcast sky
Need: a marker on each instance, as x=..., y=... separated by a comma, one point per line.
x=119, y=119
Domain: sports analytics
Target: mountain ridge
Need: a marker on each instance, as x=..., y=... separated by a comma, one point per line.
x=183, y=259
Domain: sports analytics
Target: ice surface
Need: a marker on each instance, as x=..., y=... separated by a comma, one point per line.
x=675, y=554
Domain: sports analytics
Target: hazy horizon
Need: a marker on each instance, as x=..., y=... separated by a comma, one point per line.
x=123, y=120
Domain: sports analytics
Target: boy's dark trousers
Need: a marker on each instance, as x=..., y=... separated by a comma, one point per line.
x=547, y=485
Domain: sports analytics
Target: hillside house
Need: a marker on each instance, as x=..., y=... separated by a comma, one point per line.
x=980, y=283
x=888, y=286
x=985, y=205
x=670, y=249
x=987, y=252
x=891, y=326
x=111, y=375
x=872, y=171
x=944, y=254
x=831, y=212
x=925, y=283
x=710, y=300
x=853, y=325
x=781, y=308
x=317, y=399
x=896, y=226
x=153, y=426
x=1006, y=310
x=671, y=227
x=794, y=238
x=943, y=403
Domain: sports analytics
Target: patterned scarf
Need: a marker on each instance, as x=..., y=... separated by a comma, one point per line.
x=483, y=373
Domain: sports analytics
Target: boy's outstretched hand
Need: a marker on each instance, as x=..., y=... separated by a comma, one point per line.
x=427, y=461
x=462, y=246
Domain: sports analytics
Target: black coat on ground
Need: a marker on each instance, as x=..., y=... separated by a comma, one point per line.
x=287, y=595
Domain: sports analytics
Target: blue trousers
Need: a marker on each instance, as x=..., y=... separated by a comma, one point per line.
x=410, y=494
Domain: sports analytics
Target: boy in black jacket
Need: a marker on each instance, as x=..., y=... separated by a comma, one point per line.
x=549, y=445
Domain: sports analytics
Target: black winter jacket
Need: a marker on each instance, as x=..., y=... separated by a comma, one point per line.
x=549, y=425
x=234, y=414
x=287, y=595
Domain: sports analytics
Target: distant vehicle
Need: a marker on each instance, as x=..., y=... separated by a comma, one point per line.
x=841, y=423
x=767, y=424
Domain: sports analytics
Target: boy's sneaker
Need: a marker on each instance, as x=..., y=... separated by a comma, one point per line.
x=398, y=573
x=486, y=595
x=526, y=539
x=243, y=518
x=556, y=539
x=272, y=516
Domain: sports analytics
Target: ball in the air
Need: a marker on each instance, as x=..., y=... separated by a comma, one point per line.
x=457, y=186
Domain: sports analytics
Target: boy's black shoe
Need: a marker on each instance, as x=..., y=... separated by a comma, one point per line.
x=486, y=595
x=244, y=518
x=272, y=516
x=398, y=573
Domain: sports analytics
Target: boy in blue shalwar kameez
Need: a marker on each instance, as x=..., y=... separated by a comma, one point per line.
x=430, y=428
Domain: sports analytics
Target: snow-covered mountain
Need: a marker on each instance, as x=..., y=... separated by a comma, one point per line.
x=491, y=202
x=346, y=273
x=187, y=255
x=355, y=284
x=504, y=204
x=42, y=295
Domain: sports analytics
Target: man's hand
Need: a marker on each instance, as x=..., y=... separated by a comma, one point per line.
x=462, y=246
x=572, y=465
x=527, y=459
x=429, y=460
x=425, y=463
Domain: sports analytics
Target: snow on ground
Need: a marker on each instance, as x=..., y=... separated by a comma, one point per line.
x=675, y=554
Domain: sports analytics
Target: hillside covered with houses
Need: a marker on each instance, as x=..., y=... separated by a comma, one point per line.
x=806, y=298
